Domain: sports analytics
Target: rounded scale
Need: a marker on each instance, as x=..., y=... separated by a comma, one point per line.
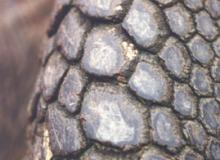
x=201, y=81
x=66, y=135
x=194, y=5
x=180, y=20
x=103, y=9
x=53, y=73
x=176, y=58
x=184, y=102
x=71, y=34
x=112, y=116
x=144, y=23
x=209, y=115
x=213, y=149
x=71, y=89
x=150, y=82
x=107, y=52
x=200, y=50
x=205, y=25
x=195, y=134
x=166, y=129
x=213, y=7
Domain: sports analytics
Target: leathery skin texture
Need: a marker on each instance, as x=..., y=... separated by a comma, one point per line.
x=139, y=80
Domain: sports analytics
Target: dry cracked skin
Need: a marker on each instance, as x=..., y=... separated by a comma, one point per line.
x=137, y=81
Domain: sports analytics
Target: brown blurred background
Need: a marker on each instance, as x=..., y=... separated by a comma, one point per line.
x=23, y=27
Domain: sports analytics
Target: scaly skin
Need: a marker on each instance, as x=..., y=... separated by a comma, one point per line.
x=125, y=80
